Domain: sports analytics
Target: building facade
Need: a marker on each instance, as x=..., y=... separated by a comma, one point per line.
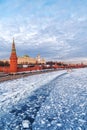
x=29, y=60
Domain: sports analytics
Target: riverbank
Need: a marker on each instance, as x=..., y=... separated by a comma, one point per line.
x=21, y=75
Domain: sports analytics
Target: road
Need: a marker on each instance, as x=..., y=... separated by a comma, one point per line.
x=21, y=75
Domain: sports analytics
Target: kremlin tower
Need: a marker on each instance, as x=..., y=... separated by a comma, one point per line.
x=24, y=61
x=13, y=59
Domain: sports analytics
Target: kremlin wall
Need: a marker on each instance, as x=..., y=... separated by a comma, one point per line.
x=21, y=64
x=24, y=61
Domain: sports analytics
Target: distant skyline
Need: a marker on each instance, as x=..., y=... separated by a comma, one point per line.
x=56, y=29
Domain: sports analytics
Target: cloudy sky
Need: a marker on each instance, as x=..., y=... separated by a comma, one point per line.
x=55, y=29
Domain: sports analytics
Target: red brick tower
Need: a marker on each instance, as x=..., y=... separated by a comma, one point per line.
x=13, y=59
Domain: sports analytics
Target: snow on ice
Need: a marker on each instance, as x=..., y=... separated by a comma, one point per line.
x=25, y=123
x=52, y=101
x=11, y=92
x=66, y=106
x=14, y=98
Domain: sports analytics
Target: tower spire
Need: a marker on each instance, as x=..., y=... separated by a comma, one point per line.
x=13, y=46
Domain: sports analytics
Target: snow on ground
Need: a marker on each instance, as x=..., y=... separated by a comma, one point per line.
x=52, y=101
x=66, y=106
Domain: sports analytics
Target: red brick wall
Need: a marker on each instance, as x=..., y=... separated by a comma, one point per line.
x=5, y=69
x=29, y=69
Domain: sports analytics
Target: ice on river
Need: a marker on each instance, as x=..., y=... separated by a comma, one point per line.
x=12, y=92
x=52, y=101
x=66, y=106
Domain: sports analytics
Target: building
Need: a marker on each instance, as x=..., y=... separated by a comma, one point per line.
x=29, y=60
x=25, y=59
x=14, y=61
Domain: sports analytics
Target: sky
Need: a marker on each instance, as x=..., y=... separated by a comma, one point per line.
x=55, y=29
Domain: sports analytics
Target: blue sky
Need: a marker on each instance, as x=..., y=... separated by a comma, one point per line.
x=56, y=29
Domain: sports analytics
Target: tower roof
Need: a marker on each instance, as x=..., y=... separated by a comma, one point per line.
x=13, y=46
x=13, y=51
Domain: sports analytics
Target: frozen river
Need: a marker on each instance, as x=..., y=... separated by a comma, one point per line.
x=52, y=101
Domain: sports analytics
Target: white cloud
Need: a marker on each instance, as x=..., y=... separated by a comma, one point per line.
x=44, y=33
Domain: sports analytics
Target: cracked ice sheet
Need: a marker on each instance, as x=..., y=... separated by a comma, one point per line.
x=66, y=107
x=12, y=92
